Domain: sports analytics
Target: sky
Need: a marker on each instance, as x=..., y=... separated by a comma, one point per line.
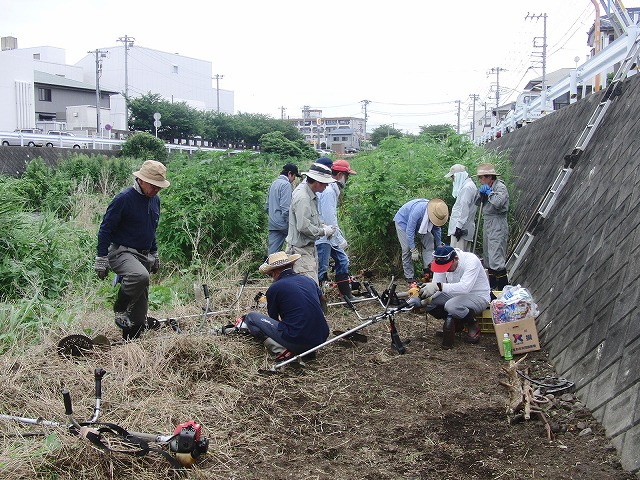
x=412, y=60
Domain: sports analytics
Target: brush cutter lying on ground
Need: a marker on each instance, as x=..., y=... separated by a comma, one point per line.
x=78, y=345
x=388, y=313
x=185, y=444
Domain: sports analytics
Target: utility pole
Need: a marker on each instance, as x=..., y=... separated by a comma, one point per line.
x=218, y=77
x=497, y=71
x=128, y=43
x=100, y=54
x=543, y=92
x=458, y=129
x=364, y=106
x=282, y=110
x=474, y=97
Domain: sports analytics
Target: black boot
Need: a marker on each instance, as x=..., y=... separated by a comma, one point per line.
x=344, y=286
x=492, y=278
x=502, y=279
x=122, y=309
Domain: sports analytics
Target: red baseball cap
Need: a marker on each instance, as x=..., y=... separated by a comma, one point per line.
x=443, y=257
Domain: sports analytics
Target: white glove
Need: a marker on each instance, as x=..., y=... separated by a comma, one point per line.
x=343, y=245
x=429, y=289
x=329, y=230
x=415, y=255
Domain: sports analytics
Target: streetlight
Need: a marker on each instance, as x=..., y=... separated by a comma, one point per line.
x=218, y=77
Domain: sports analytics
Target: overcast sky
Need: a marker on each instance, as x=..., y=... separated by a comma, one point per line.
x=411, y=59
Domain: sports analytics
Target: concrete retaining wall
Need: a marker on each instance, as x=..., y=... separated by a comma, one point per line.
x=13, y=160
x=583, y=267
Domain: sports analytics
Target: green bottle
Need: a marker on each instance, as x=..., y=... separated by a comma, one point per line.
x=506, y=341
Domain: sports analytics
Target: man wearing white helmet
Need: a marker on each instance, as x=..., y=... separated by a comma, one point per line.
x=305, y=223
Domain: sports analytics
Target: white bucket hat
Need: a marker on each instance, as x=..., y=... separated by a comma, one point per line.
x=320, y=173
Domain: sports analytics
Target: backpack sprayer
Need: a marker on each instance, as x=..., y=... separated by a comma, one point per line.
x=186, y=443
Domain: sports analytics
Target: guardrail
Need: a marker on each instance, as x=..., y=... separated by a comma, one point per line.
x=98, y=143
x=614, y=53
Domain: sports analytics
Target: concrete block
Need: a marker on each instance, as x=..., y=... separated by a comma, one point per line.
x=617, y=415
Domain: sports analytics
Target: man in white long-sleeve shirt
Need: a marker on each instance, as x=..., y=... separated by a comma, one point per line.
x=460, y=288
x=462, y=220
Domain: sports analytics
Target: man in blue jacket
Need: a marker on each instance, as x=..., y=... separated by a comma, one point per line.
x=127, y=245
x=295, y=322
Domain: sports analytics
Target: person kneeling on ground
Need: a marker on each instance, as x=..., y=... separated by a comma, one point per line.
x=295, y=322
x=460, y=289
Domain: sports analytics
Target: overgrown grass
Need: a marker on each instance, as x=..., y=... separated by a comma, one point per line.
x=212, y=222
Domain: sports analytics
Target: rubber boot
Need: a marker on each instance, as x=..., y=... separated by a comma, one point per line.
x=502, y=279
x=473, y=328
x=344, y=286
x=448, y=333
x=122, y=308
x=492, y=278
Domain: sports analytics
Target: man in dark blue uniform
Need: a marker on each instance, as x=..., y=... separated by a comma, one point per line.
x=295, y=322
x=127, y=245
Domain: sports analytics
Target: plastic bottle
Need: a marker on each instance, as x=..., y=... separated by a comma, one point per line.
x=506, y=341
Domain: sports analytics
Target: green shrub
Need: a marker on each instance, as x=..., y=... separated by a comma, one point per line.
x=144, y=146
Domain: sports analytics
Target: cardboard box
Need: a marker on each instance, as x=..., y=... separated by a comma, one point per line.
x=523, y=334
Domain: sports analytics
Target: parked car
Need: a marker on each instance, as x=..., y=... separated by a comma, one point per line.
x=17, y=141
x=351, y=150
x=323, y=152
x=65, y=139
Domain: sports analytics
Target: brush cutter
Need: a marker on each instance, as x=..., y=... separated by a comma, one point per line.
x=78, y=345
x=389, y=313
x=186, y=443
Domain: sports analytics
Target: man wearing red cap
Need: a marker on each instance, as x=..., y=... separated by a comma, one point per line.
x=459, y=290
x=335, y=246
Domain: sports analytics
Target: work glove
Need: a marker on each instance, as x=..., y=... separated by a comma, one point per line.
x=458, y=233
x=485, y=190
x=155, y=266
x=415, y=255
x=428, y=290
x=101, y=267
x=343, y=245
x=415, y=302
x=329, y=230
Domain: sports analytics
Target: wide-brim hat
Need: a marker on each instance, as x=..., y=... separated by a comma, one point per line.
x=320, y=173
x=153, y=172
x=438, y=212
x=486, y=169
x=278, y=260
x=457, y=168
x=443, y=257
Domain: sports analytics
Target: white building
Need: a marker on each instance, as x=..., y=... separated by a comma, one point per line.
x=175, y=77
x=25, y=72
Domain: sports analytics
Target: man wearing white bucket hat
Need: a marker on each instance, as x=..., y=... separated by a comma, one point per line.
x=423, y=217
x=305, y=223
x=295, y=322
x=127, y=245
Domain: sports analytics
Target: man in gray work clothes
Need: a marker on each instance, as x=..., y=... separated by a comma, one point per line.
x=494, y=199
x=277, y=206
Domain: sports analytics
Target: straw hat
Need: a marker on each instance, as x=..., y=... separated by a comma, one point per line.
x=153, y=172
x=320, y=173
x=278, y=260
x=438, y=212
x=486, y=169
